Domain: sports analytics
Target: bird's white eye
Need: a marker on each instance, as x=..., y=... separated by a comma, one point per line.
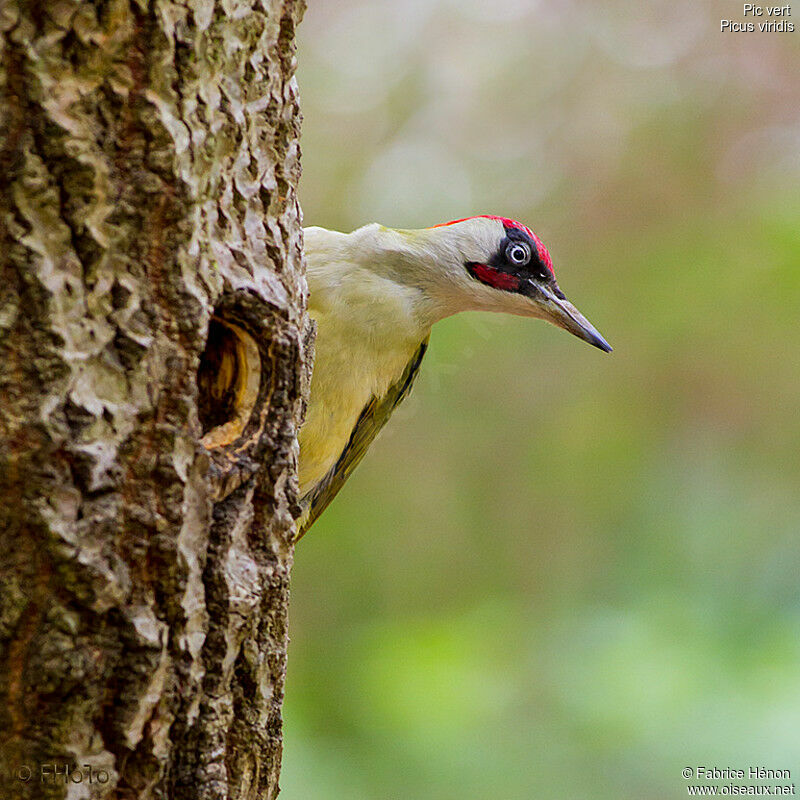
x=518, y=253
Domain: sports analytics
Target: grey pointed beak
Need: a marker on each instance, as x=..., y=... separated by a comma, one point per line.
x=561, y=312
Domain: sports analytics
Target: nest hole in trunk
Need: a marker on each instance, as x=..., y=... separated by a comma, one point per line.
x=228, y=381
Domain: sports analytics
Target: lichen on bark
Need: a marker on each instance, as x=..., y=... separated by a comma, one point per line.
x=149, y=162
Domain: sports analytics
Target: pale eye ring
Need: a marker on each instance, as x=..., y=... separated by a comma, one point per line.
x=518, y=253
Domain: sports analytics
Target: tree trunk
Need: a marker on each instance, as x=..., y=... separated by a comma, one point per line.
x=152, y=373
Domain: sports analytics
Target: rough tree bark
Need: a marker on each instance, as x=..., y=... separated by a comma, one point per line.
x=152, y=371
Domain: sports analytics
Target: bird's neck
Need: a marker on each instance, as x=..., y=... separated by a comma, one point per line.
x=415, y=261
x=364, y=285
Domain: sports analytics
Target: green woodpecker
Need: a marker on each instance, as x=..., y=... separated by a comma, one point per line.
x=374, y=295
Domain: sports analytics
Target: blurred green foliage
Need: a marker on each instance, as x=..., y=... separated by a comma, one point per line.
x=558, y=573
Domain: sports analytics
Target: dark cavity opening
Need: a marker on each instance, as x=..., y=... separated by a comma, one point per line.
x=217, y=377
x=228, y=382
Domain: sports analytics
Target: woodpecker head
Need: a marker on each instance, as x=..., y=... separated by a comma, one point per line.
x=497, y=264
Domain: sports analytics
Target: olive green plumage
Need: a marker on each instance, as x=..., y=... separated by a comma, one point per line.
x=374, y=416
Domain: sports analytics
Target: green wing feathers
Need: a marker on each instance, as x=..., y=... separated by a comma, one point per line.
x=372, y=419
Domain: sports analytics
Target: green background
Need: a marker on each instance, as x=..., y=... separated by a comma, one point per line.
x=561, y=574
